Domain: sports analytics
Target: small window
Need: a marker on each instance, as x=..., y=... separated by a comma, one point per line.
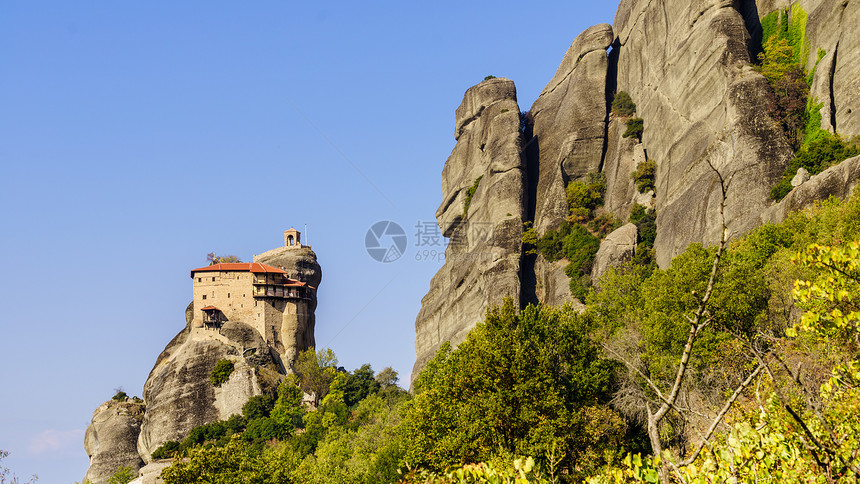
x=213, y=279
x=199, y=279
x=204, y=296
x=228, y=294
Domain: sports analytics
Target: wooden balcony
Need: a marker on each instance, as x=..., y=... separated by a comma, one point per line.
x=279, y=291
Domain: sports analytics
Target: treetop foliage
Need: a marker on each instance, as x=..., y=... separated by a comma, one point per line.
x=623, y=105
x=521, y=384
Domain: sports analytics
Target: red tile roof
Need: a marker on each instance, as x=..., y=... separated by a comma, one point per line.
x=254, y=267
x=209, y=308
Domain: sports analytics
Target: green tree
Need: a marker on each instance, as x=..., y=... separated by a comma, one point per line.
x=288, y=410
x=359, y=384
x=521, y=384
x=316, y=371
x=623, y=105
x=583, y=197
x=232, y=463
x=644, y=175
x=123, y=475
x=635, y=127
x=258, y=406
x=366, y=449
x=802, y=430
x=215, y=259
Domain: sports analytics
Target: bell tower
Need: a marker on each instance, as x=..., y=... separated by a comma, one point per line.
x=292, y=238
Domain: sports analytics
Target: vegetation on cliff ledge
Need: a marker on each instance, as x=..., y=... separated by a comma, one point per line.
x=785, y=51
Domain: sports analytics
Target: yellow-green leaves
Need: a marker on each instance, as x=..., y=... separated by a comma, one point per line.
x=831, y=302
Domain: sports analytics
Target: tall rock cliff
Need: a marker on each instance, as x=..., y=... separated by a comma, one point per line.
x=482, y=212
x=111, y=439
x=688, y=65
x=568, y=142
x=178, y=393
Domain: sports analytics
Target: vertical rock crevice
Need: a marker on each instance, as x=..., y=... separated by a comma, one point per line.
x=832, y=96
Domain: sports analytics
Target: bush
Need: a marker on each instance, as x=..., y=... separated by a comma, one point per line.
x=221, y=372
x=585, y=196
x=603, y=224
x=487, y=78
x=644, y=175
x=635, y=126
x=815, y=156
x=647, y=226
x=530, y=239
x=258, y=406
x=167, y=450
x=265, y=429
x=470, y=192
x=623, y=105
x=120, y=396
x=359, y=385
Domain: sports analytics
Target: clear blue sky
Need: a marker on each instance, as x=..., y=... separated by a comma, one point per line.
x=136, y=137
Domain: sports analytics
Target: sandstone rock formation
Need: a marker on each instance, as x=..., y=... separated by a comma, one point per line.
x=178, y=393
x=111, y=439
x=616, y=249
x=570, y=124
x=837, y=181
x=687, y=67
x=622, y=156
x=482, y=261
x=297, y=330
x=151, y=473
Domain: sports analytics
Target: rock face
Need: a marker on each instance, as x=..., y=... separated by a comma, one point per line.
x=150, y=473
x=482, y=261
x=622, y=157
x=686, y=65
x=111, y=440
x=570, y=124
x=832, y=27
x=297, y=330
x=178, y=393
x=616, y=249
x=837, y=181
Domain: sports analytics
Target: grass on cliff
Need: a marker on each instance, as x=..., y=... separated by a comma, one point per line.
x=470, y=192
